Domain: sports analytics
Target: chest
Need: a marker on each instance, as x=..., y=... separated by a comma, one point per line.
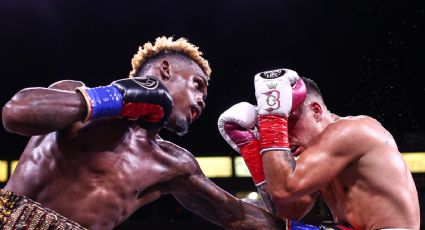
x=341, y=191
x=129, y=163
x=134, y=165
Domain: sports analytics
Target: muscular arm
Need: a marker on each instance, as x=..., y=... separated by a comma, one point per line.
x=38, y=111
x=298, y=209
x=335, y=148
x=200, y=195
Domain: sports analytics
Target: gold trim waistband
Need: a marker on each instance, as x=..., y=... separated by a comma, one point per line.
x=19, y=212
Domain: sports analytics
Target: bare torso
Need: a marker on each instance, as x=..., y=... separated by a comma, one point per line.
x=100, y=172
x=376, y=190
x=109, y=166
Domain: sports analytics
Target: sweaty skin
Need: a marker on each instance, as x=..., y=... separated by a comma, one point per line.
x=98, y=173
x=354, y=163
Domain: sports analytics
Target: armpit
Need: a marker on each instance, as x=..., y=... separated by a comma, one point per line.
x=68, y=85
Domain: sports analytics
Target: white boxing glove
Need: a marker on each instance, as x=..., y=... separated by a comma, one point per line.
x=273, y=90
x=278, y=92
x=237, y=125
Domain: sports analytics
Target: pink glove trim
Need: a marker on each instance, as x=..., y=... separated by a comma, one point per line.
x=299, y=93
x=239, y=135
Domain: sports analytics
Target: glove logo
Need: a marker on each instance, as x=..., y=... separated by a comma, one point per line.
x=147, y=82
x=272, y=100
x=273, y=74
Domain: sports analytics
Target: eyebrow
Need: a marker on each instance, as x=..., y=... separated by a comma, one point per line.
x=204, y=79
x=205, y=96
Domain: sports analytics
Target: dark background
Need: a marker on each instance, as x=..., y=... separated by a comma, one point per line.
x=366, y=56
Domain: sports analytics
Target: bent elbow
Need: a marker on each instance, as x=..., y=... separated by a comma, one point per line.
x=8, y=118
x=12, y=117
x=279, y=195
x=282, y=193
x=285, y=204
x=289, y=213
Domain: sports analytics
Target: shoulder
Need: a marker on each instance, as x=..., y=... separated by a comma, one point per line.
x=353, y=126
x=179, y=157
x=354, y=132
x=68, y=85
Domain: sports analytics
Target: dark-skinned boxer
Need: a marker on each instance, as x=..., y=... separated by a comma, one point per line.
x=95, y=157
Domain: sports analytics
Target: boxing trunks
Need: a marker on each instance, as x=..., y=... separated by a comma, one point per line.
x=19, y=212
x=295, y=225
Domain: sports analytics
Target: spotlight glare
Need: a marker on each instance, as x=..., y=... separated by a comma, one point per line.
x=253, y=195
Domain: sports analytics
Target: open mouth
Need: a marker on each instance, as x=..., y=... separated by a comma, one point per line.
x=295, y=150
x=194, y=112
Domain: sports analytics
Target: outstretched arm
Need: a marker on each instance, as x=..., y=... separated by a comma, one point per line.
x=200, y=195
x=38, y=111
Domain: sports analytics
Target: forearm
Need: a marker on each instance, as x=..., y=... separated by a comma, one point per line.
x=201, y=196
x=216, y=205
x=294, y=211
x=298, y=209
x=37, y=111
x=279, y=167
x=257, y=218
x=265, y=198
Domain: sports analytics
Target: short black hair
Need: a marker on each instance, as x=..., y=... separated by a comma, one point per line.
x=312, y=87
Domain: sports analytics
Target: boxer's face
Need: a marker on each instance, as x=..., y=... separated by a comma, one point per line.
x=188, y=86
x=303, y=128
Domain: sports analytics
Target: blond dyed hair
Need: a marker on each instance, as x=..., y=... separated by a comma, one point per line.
x=164, y=45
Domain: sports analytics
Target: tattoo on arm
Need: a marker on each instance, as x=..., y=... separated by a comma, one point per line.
x=290, y=160
x=266, y=199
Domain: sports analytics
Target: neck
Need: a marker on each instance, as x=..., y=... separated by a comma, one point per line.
x=329, y=119
x=148, y=133
x=152, y=133
x=334, y=117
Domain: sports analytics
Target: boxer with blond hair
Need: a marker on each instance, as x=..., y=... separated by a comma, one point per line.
x=95, y=156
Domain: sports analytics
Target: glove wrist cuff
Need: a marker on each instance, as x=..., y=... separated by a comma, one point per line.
x=273, y=133
x=101, y=101
x=252, y=158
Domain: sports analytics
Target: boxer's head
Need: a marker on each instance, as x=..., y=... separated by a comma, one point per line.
x=184, y=72
x=308, y=120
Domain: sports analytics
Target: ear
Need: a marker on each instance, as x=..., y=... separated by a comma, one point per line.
x=316, y=108
x=165, y=70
